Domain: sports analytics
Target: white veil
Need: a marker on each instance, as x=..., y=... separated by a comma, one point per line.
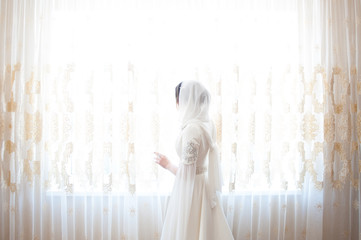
x=194, y=100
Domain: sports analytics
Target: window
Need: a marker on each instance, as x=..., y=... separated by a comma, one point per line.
x=110, y=100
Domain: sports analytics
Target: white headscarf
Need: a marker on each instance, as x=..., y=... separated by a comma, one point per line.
x=194, y=101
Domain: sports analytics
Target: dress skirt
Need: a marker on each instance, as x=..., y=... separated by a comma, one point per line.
x=205, y=223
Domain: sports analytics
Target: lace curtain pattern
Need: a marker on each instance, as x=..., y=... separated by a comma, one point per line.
x=87, y=94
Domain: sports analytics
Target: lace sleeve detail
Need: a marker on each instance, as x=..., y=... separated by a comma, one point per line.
x=190, y=152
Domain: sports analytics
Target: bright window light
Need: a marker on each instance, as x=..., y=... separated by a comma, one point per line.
x=104, y=45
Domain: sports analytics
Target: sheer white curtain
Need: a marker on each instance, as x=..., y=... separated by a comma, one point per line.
x=87, y=94
x=342, y=119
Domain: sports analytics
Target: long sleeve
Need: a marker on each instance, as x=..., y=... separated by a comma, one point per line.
x=180, y=204
x=190, y=151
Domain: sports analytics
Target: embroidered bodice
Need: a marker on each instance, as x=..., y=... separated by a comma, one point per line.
x=192, y=147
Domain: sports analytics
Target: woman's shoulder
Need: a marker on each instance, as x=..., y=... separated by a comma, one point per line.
x=202, y=132
x=192, y=130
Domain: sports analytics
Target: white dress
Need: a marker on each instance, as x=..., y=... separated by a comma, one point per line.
x=192, y=213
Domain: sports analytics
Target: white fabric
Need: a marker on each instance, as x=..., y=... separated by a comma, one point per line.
x=194, y=104
x=87, y=94
x=191, y=214
x=194, y=101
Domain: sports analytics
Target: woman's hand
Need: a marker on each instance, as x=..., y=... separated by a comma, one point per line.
x=165, y=163
x=161, y=160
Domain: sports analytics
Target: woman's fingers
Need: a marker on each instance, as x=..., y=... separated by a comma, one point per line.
x=161, y=159
x=159, y=155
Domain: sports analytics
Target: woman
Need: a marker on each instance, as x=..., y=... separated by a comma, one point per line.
x=194, y=210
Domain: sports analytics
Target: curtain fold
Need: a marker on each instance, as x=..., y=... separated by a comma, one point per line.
x=342, y=119
x=87, y=94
